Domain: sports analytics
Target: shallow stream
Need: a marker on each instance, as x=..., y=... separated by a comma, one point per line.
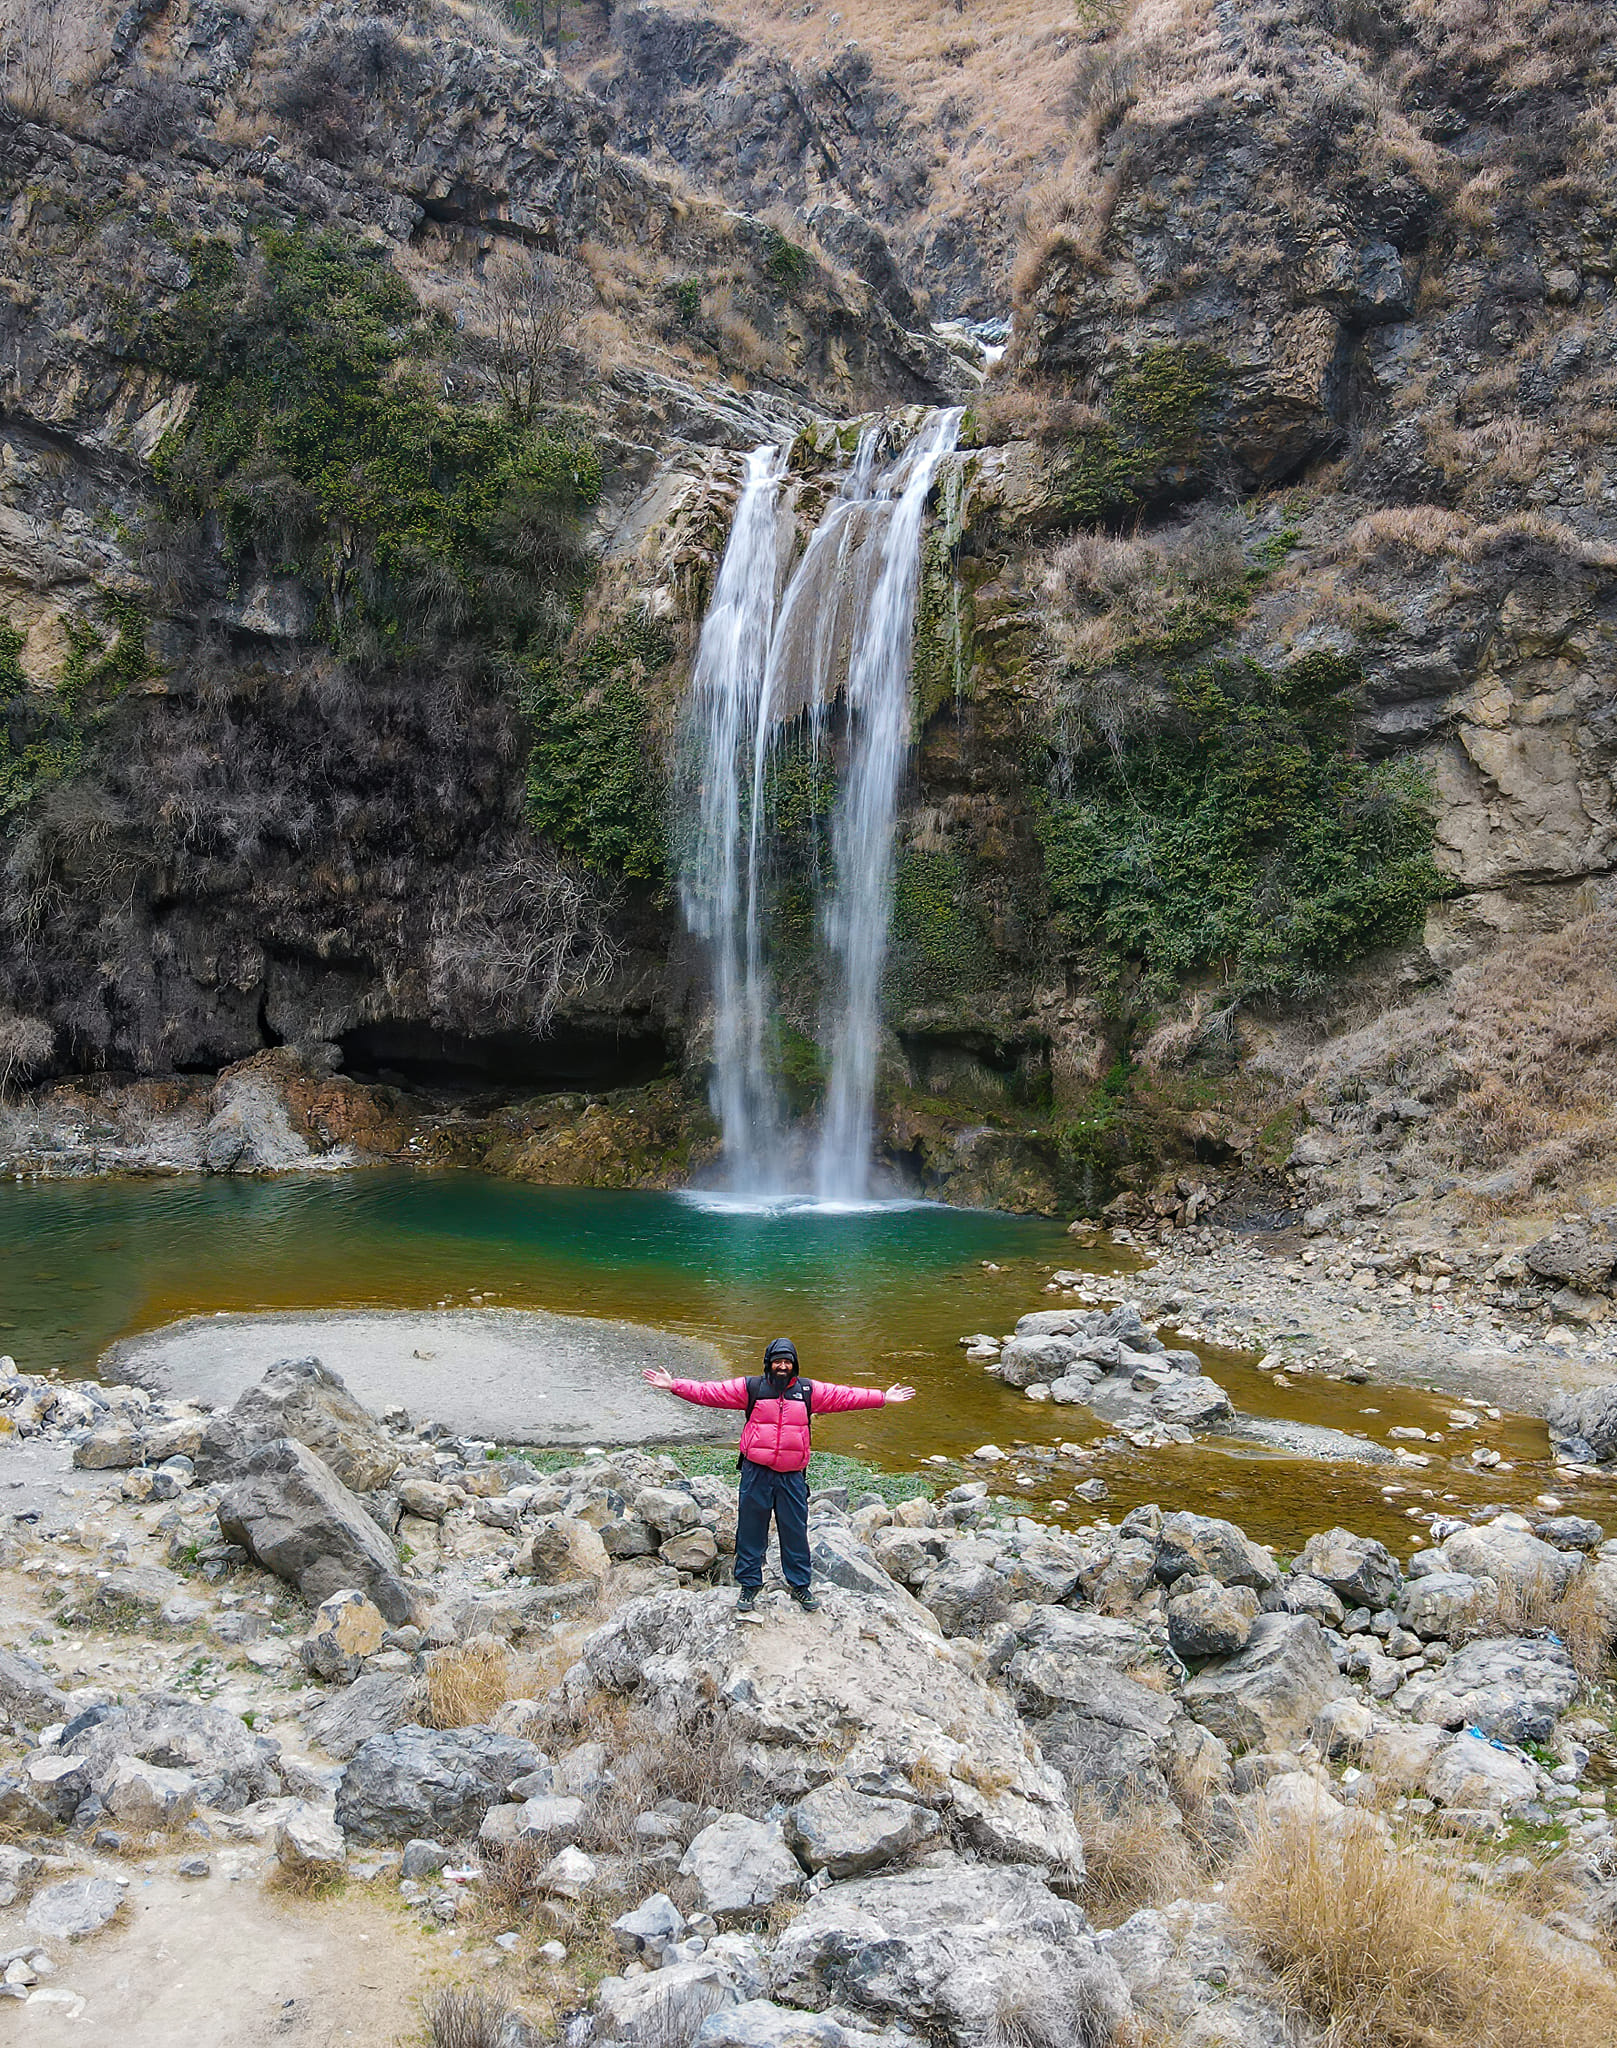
x=870, y=1295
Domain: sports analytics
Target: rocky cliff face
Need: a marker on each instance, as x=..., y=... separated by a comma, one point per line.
x=1267, y=617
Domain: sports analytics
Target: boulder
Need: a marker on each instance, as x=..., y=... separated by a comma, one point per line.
x=671, y=2004
x=113, y=1445
x=57, y=1781
x=1358, y=1570
x=436, y=1782
x=375, y=1704
x=1515, y=1687
x=966, y=1594
x=1584, y=1424
x=568, y=1874
x=1574, y=1256
x=231, y=1766
x=759, y=2024
x=562, y=1548
x=1210, y=1621
x=955, y=1950
x=347, y=1628
x=76, y=1907
x=739, y=1865
x=550, y=1819
x=849, y=1833
x=667, y=1508
x=1193, y=1401
x=18, y=1870
x=302, y=1399
x=1211, y=1548
x=424, y=1498
x=293, y=1514
x=28, y=1693
x=1302, y=1593
x=1510, y=1555
x=861, y=1691
x=1471, y=1772
x=1035, y=1361
x=691, y=1550
x=1195, y=1977
x=1435, y=1605
x=149, y=1796
x=650, y=1927
x=309, y=1842
x=1044, y=1573
x=1265, y=1696
x=627, y=1536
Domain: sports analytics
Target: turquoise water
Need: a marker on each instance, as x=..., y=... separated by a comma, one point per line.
x=870, y=1296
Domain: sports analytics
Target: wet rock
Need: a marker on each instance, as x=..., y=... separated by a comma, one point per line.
x=1437, y=1604
x=1208, y=1547
x=1210, y=1621
x=76, y=1907
x=28, y=1693
x=302, y=1399
x=739, y=1864
x=1266, y=1695
x=292, y=1513
x=428, y=1781
x=849, y=1833
x=951, y=1948
x=1360, y=1571
x=309, y=1842
x=375, y=1704
x=1515, y=1687
x=347, y=1628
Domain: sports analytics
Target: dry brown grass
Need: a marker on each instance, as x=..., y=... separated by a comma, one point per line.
x=1518, y=1054
x=1106, y=593
x=1584, y=1623
x=1134, y=1855
x=468, y=1683
x=1385, y=1949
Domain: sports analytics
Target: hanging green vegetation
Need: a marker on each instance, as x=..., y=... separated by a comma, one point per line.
x=595, y=785
x=1154, y=439
x=1243, y=833
x=325, y=439
x=44, y=733
x=939, y=948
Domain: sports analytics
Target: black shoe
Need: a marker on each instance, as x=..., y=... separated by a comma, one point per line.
x=748, y=1603
x=805, y=1599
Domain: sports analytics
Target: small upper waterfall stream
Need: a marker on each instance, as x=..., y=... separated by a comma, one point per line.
x=770, y=663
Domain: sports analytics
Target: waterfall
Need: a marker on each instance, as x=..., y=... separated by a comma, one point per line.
x=858, y=916
x=848, y=611
x=718, y=884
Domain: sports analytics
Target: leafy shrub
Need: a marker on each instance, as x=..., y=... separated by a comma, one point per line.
x=43, y=733
x=1243, y=834
x=785, y=264
x=1153, y=444
x=322, y=440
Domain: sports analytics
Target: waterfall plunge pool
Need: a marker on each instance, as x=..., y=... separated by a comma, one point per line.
x=871, y=1293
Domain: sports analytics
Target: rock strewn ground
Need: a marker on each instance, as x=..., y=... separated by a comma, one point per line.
x=641, y=1819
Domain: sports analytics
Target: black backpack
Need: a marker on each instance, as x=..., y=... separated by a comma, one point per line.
x=758, y=1390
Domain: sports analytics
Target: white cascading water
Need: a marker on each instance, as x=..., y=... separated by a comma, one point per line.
x=723, y=715
x=858, y=916
x=755, y=672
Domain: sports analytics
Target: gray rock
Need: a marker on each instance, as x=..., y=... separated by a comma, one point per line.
x=1574, y=1256
x=739, y=1864
x=113, y=1445
x=422, y=1858
x=958, y=1950
x=1194, y=1977
x=840, y=1559
x=302, y=1399
x=1360, y=1571
x=149, y=1796
x=1570, y=1532
x=231, y=1766
x=1510, y=1556
x=758, y=2024
x=671, y=2004
x=1437, y=1603
x=849, y=1833
x=28, y=1693
x=375, y=1704
x=1301, y=1593
x=651, y=1926
x=1471, y=1773
x=1035, y=1361
x=1210, y=1621
x=309, y=1841
x=76, y=1907
x=1513, y=1687
x=1206, y=1546
x=1266, y=1695
x=1194, y=1402
x=551, y=1819
x=1044, y=1573
x=291, y=1512
x=436, y=1782
x=1584, y=1423
x=965, y=1594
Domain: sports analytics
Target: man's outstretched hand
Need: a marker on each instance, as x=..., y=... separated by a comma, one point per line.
x=900, y=1394
x=654, y=1376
